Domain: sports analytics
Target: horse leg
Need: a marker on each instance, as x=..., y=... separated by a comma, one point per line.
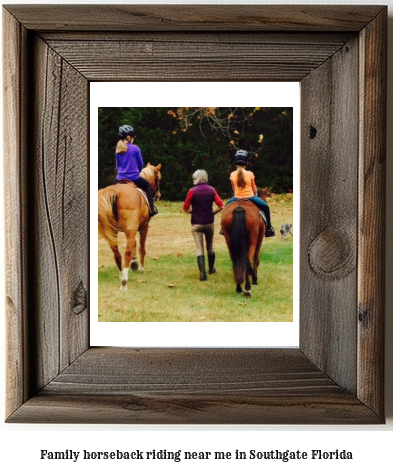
x=250, y=271
x=247, y=286
x=130, y=256
x=142, y=246
x=239, y=288
x=117, y=255
x=131, y=250
x=256, y=259
x=255, y=269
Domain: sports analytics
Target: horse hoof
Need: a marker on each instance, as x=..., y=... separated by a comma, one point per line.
x=134, y=266
x=124, y=286
x=141, y=269
x=247, y=294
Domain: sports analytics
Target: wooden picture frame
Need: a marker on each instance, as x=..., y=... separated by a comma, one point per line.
x=338, y=54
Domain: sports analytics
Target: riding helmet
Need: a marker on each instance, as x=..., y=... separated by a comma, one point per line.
x=241, y=157
x=125, y=130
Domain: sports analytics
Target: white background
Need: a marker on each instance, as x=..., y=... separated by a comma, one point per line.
x=20, y=445
x=271, y=94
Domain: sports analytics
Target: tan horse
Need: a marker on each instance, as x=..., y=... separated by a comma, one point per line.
x=123, y=208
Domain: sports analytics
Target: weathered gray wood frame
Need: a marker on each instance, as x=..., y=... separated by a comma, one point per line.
x=338, y=53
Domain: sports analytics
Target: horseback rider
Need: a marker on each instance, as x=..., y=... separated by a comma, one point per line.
x=129, y=163
x=244, y=187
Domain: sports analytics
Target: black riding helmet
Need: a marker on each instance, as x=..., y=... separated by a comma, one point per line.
x=125, y=130
x=241, y=157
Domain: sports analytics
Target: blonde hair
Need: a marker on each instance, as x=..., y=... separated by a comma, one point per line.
x=241, y=183
x=200, y=175
x=121, y=146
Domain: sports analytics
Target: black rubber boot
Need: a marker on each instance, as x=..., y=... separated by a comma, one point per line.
x=211, y=259
x=269, y=228
x=270, y=232
x=202, y=269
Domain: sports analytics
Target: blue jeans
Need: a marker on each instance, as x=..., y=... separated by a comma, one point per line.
x=255, y=199
x=263, y=206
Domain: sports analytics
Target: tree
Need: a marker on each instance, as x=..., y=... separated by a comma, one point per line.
x=230, y=122
x=184, y=139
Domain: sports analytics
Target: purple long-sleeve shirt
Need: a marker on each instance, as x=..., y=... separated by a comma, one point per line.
x=130, y=163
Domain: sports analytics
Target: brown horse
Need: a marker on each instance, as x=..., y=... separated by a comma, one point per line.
x=123, y=208
x=244, y=230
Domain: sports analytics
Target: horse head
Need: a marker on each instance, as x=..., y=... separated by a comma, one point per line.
x=153, y=174
x=262, y=193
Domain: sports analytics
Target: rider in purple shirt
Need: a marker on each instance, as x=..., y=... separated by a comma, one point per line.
x=129, y=163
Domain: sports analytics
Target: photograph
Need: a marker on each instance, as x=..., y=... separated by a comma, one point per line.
x=195, y=214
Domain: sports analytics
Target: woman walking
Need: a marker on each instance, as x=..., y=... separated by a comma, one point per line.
x=199, y=203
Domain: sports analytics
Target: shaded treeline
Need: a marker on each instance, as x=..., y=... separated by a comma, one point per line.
x=207, y=139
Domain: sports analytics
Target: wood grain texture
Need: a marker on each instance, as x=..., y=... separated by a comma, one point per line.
x=372, y=187
x=193, y=386
x=59, y=174
x=336, y=375
x=160, y=60
x=329, y=193
x=197, y=409
x=200, y=37
x=193, y=17
x=14, y=70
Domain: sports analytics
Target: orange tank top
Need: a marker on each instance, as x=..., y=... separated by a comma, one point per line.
x=247, y=191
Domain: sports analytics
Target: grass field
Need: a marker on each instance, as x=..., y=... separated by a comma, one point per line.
x=170, y=289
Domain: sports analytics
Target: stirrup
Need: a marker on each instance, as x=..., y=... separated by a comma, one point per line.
x=153, y=211
x=270, y=232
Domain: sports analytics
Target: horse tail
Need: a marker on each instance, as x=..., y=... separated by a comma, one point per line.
x=107, y=214
x=239, y=244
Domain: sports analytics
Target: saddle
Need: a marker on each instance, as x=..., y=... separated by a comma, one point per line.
x=259, y=209
x=127, y=181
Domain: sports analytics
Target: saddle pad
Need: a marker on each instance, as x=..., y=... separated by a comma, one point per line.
x=126, y=181
x=144, y=195
x=263, y=216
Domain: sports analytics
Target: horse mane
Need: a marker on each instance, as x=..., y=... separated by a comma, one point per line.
x=107, y=214
x=149, y=173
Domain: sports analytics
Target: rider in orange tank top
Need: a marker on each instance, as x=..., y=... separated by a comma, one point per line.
x=244, y=187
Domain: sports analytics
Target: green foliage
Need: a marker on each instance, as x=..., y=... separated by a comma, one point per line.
x=181, y=150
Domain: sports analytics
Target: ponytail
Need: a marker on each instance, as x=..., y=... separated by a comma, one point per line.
x=121, y=146
x=241, y=183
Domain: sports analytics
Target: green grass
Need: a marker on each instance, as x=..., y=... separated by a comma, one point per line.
x=170, y=289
